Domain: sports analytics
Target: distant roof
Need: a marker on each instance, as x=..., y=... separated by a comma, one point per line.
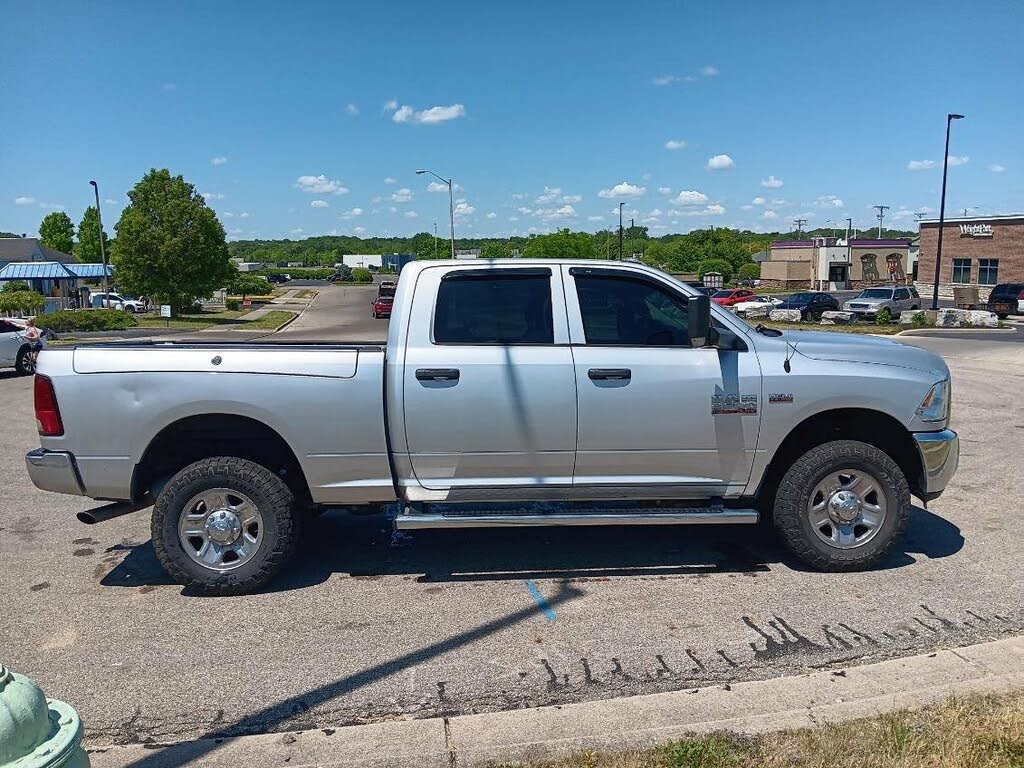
x=869, y=242
x=29, y=249
x=88, y=270
x=793, y=244
x=50, y=270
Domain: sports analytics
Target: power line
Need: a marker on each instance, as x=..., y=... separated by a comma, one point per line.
x=921, y=214
x=881, y=215
x=799, y=226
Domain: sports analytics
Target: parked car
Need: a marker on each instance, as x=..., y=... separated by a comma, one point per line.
x=15, y=350
x=756, y=302
x=523, y=381
x=896, y=298
x=729, y=296
x=1006, y=299
x=700, y=287
x=381, y=306
x=116, y=301
x=810, y=303
x=278, y=279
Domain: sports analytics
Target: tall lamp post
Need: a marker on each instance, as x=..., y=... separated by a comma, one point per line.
x=103, y=250
x=942, y=211
x=451, y=202
x=620, y=230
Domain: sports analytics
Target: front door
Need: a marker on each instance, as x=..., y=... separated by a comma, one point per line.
x=10, y=343
x=489, y=390
x=657, y=417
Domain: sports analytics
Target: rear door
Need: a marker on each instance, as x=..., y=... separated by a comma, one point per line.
x=657, y=418
x=10, y=343
x=489, y=392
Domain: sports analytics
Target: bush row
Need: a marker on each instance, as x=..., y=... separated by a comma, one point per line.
x=87, y=320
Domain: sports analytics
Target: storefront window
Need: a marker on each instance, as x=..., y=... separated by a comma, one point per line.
x=988, y=271
x=961, y=270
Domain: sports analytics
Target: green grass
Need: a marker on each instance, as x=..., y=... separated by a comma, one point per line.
x=975, y=731
x=270, y=320
x=192, y=320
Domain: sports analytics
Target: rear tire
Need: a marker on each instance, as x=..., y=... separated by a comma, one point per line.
x=25, y=364
x=814, y=501
x=256, y=507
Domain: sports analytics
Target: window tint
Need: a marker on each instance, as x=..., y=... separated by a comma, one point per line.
x=505, y=309
x=8, y=327
x=636, y=313
x=961, y=270
x=902, y=293
x=988, y=271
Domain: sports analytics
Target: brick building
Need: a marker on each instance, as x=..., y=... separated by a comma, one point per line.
x=831, y=264
x=976, y=251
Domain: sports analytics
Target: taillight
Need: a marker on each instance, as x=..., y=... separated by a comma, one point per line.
x=1020, y=295
x=47, y=413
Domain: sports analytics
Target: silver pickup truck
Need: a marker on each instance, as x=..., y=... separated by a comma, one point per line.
x=509, y=393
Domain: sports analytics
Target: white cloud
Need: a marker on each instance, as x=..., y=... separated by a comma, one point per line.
x=758, y=200
x=771, y=183
x=168, y=87
x=492, y=215
x=218, y=160
x=996, y=167
x=351, y=109
x=710, y=210
x=319, y=204
x=830, y=201
x=524, y=210
x=513, y=218
x=958, y=159
x=111, y=201
x=549, y=195
x=708, y=71
x=321, y=185
x=352, y=213
x=572, y=198
x=690, y=197
x=714, y=210
x=462, y=208
x=437, y=186
x=24, y=200
x=429, y=116
x=298, y=231
x=410, y=214
x=358, y=230
x=520, y=196
x=595, y=218
x=719, y=163
x=746, y=207
x=403, y=195
x=664, y=190
x=769, y=215
x=244, y=215
x=622, y=189
x=675, y=144
x=390, y=106
x=664, y=80
x=213, y=196
x=228, y=215
x=921, y=165
x=390, y=180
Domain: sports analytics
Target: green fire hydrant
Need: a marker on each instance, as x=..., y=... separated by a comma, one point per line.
x=37, y=732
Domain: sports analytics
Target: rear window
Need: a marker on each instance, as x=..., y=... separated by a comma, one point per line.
x=1007, y=290
x=487, y=309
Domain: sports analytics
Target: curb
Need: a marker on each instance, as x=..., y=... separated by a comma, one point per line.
x=926, y=331
x=614, y=724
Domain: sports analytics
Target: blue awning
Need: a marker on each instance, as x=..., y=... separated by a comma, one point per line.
x=51, y=270
x=88, y=270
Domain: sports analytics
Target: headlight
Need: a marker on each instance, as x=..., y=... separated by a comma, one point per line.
x=935, y=406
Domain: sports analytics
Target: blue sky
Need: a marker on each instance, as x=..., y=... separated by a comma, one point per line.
x=310, y=118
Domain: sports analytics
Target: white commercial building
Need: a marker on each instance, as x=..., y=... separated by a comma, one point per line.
x=365, y=260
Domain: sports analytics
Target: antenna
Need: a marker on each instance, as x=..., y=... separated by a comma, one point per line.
x=799, y=226
x=881, y=215
x=920, y=215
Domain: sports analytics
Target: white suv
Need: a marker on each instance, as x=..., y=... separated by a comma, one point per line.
x=115, y=301
x=15, y=350
x=895, y=298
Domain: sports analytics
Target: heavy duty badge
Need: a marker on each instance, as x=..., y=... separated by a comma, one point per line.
x=724, y=404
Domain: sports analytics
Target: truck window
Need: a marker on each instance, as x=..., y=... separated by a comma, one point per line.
x=627, y=312
x=507, y=309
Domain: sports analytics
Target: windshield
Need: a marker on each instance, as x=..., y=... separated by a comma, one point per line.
x=876, y=293
x=801, y=297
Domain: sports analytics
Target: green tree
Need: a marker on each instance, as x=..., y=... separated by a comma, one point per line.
x=87, y=248
x=362, y=275
x=13, y=286
x=244, y=284
x=21, y=302
x=750, y=271
x=497, y=249
x=169, y=245
x=561, y=245
x=56, y=231
x=715, y=265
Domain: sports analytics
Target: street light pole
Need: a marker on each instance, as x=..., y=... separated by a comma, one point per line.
x=451, y=202
x=103, y=250
x=620, y=230
x=942, y=211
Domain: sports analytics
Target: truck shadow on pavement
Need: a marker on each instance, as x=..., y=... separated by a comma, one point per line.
x=366, y=547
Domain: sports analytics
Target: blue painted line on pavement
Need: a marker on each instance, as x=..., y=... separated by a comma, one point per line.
x=549, y=612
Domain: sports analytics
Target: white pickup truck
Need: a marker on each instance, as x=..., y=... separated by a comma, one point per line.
x=609, y=391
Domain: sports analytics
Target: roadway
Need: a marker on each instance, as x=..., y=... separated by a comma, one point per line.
x=369, y=624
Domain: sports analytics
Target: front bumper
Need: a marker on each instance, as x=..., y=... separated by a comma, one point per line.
x=940, y=456
x=54, y=471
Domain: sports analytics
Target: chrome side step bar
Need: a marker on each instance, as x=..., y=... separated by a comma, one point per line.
x=681, y=516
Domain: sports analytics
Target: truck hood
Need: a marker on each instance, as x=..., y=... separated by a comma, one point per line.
x=849, y=347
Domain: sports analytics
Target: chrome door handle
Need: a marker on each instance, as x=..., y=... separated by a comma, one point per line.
x=437, y=374
x=609, y=374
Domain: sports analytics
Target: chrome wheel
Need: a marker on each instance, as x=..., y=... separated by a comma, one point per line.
x=220, y=529
x=847, y=508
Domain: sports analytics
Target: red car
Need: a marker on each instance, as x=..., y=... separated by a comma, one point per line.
x=381, y=306
x=729, y=296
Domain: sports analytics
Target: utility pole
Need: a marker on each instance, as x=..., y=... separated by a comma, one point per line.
x=881, y=215
x=799, y=226
x=620, y=230
x=920, y=215
x=103, y=250
x=942, y=211
x=435, y=239
x=451, y=202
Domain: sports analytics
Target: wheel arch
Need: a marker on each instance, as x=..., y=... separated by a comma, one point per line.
x=203, y=436
x=867, y=425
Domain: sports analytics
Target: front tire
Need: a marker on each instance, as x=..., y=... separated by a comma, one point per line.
x=842, y=506
x=225, y=526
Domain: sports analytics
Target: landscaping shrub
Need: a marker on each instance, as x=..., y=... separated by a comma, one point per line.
x=232, y=305
x=87, y=320
x=361, y=275
x=21, y=302
x=884, y=317
x=919, y=320
x=13, y=286
x=750, y=271
x=301, y=273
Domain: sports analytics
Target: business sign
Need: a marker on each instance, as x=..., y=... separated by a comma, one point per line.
x=165, y=310
x=975, y=230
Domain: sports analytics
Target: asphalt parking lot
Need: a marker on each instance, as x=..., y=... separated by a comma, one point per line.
x=372, y=625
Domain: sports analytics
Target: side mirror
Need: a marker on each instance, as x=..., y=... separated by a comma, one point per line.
x=698, y=312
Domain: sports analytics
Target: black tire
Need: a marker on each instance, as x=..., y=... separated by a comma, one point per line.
x=25, y=364
x=792, y=519
x=280, y=524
